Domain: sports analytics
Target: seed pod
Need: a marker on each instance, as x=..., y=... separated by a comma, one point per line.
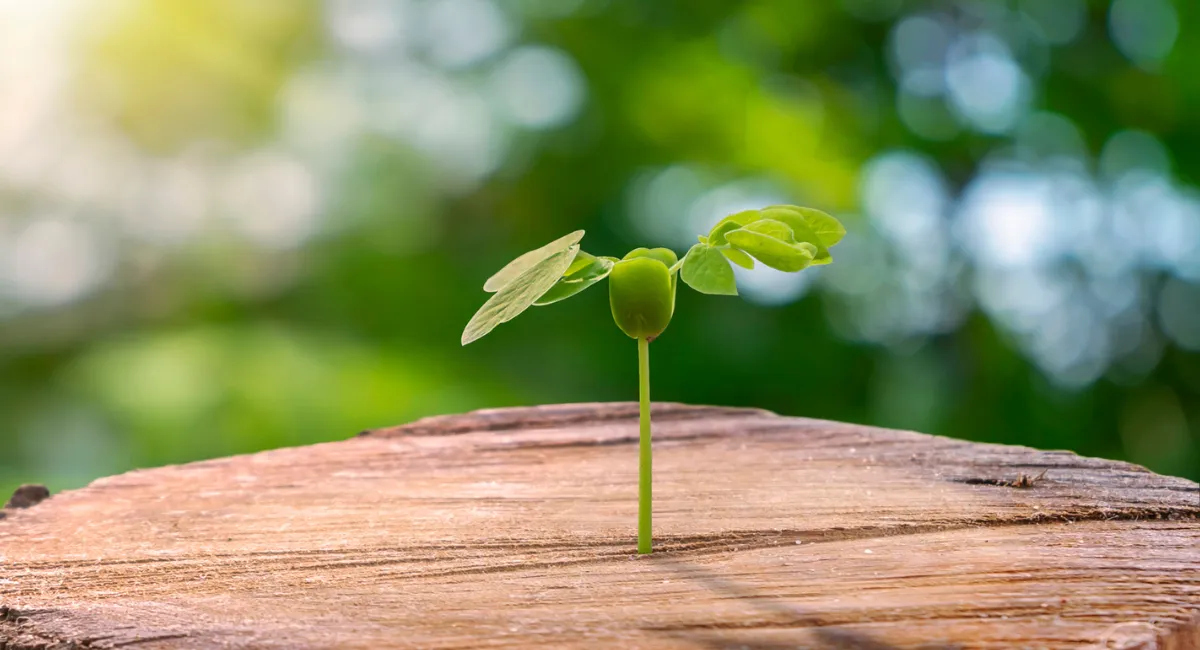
x=641, y=292
x=664, y=255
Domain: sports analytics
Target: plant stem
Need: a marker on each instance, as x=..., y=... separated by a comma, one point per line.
x=644, y=457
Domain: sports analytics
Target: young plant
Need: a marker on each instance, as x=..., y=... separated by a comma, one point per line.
x=641, y=288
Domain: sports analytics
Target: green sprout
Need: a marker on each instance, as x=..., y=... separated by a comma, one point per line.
x=641, y=289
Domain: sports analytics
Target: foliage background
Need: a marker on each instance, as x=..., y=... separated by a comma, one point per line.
x=228, y=226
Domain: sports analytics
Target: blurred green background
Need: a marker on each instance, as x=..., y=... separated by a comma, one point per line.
x=228, y=225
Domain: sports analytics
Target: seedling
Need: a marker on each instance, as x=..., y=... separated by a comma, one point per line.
x=641, y=288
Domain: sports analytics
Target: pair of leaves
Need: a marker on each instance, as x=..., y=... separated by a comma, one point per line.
x=784, y=237
x=521, y=282
x=515, y=268
x=542, y=276
x=585, y=271
x=807, y=226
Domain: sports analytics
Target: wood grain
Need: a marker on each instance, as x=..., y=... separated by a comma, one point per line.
x=515, y=528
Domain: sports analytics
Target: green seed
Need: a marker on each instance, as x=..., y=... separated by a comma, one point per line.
x=664, y=255
x=641, y=292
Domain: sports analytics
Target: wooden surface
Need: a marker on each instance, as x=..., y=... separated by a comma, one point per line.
x=515, y=528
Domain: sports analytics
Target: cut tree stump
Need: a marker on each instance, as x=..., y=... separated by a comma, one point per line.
x=516, y=528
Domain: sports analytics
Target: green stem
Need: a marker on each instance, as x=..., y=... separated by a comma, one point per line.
x=644, y=457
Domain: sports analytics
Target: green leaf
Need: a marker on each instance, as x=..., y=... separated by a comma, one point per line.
x=593, y=266
x=717, y=238
x=770, y=250
x=828, y=229
x=706, y=270
x=582, y=261
x=739, y=219
x=800, y=230
x=738, y=257
x=772, y=228
x=528, y=260
x=573, y=283
x=517, y=295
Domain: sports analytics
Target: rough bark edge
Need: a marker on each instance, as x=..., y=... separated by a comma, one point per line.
x=22, y=630
x=557, y=415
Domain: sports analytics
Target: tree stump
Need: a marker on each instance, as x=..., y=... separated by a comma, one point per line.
x=516, y=528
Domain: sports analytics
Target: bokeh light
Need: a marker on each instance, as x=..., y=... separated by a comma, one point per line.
x=229, y=226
